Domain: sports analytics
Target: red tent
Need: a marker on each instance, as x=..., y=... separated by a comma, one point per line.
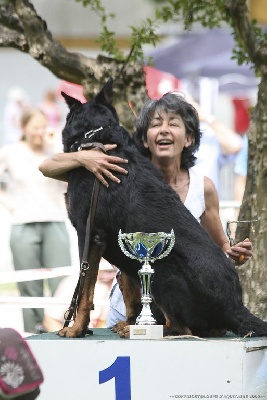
x=158, y=82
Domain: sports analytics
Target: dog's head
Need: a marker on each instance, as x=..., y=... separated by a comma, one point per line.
x=87, y=117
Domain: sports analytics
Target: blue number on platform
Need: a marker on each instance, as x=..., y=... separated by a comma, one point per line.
x=120, y=370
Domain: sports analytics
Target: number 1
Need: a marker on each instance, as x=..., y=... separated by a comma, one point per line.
x=120, y=370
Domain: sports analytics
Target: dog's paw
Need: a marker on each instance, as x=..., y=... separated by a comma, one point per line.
x=71, y=332
x=124, y=332
x=122, y=328
x=119, y=326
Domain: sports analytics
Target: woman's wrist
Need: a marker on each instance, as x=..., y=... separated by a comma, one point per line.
x=84, y=160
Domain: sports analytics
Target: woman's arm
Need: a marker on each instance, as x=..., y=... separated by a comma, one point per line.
x=211, y=222
x=229, y=140
x=97, y=162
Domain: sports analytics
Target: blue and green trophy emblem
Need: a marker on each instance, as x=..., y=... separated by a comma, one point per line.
x=146, y=248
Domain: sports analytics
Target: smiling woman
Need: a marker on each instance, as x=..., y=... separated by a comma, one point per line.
x=168, y=132
x=174, y=111
x=166, y=123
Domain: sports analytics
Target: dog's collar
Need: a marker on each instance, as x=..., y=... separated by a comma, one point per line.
x=77, y=146
x=92, y=132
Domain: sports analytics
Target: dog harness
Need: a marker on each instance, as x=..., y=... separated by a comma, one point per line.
x=76, y=146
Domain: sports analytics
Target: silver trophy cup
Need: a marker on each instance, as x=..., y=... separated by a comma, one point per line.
x=146, y=248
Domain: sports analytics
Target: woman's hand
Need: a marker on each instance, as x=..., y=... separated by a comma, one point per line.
x=102, y=165
x=241, y=252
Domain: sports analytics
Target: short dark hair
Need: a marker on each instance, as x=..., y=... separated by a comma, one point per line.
x=176, y=104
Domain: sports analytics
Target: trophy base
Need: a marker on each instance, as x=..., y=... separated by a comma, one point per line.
x=146, y=332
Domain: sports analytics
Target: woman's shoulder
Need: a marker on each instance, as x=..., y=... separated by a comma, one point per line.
x=208, y=184
x=209, y=189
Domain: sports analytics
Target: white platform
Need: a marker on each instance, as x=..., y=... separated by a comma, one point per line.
x=99, y=369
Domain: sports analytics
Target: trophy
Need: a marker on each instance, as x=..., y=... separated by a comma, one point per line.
x=146, y=248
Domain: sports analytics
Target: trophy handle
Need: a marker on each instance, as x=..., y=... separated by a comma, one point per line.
x=123, y=249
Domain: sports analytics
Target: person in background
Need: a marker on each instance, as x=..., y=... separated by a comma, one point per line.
x=219, y=146
x=17, y=101
x=39, y=237
x=54, y=317
x=52, y=110
x=117, y=309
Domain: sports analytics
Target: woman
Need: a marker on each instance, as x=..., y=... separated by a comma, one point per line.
x=39, y=238
x=168, y=132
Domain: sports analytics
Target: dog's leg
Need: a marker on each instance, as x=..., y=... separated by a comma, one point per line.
x=176, y=328
x=131, y=291
x=82, y=319
x=132, y=297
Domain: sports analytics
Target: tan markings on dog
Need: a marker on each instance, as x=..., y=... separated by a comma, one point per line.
x=132, y=297
x=130, y=288
x=82, y=320
x=131, y=292
x=177, y=329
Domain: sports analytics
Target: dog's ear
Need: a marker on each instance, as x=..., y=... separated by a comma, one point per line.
x=70, y=100
x=106, y=94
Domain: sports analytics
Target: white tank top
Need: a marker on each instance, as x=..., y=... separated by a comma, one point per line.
x=195, y=199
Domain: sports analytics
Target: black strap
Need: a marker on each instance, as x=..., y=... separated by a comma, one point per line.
x=72, y=310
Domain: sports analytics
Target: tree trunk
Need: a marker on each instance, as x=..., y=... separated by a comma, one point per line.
x=253, y=275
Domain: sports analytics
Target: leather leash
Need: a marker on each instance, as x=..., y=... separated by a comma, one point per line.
x=71, y=313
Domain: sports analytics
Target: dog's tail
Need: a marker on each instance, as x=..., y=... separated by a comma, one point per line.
x=245, y=323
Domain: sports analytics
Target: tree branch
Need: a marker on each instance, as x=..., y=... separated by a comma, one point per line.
x=253, y=44
x=47, y=51
x=8, y=17
x=12, y=38
x=23, y=29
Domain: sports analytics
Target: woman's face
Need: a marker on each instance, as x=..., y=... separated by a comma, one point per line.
x=35, y=131
x=166, y=136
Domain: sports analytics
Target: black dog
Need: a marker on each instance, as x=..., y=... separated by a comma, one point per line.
x=195, y=286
